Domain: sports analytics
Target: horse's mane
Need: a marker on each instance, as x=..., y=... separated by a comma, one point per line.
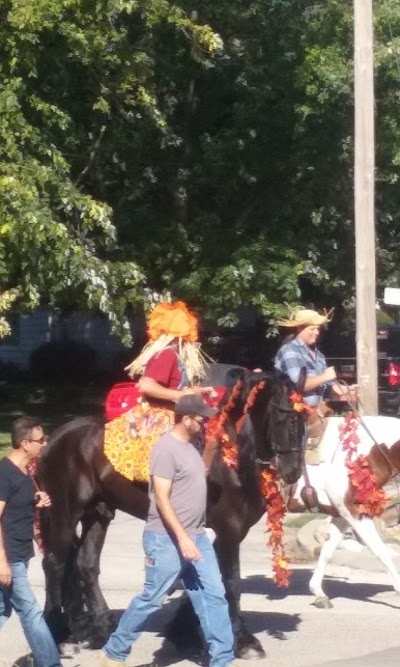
x=89, y=424
x=240, y=384
x=247, y=379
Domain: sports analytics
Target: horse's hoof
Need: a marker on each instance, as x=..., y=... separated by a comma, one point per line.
x=250, y=649
x=58, y=626
x=322, y=602
x=68, y=650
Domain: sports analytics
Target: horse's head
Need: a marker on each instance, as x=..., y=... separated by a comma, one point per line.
x=272, y=431
x=285, y=427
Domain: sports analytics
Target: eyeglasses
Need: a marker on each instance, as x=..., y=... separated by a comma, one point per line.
x=199, y=420
x=41, y=440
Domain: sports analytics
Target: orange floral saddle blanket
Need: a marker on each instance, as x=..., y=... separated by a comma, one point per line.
x=129, y=439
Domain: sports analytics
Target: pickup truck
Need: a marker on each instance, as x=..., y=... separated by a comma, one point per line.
x=388, y=345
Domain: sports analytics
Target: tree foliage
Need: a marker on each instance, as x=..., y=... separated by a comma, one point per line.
x=75, y=74
x=205, y=149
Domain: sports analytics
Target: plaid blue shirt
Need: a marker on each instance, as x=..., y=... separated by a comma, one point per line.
x=295, y=355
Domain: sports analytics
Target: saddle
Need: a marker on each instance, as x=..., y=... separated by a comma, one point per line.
x=316, y=425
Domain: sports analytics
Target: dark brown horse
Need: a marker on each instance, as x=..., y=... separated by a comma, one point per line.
x=86, y=489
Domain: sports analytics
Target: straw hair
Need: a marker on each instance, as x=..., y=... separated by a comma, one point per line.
x=173, y=323
x=137, y=366
x=306, y=318
x=190, y=354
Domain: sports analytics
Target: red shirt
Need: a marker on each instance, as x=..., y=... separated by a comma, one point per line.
x=163, y=368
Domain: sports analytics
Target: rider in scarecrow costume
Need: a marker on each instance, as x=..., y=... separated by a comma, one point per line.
x=169, y=366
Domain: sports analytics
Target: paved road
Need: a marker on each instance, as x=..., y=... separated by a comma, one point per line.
x=388, y=658
x=361, y=630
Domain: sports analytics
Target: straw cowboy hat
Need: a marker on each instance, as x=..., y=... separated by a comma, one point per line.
x=306, y=318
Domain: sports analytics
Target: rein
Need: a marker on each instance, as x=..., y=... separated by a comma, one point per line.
x=32, y=475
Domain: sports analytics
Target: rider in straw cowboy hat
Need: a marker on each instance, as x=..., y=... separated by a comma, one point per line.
x=301, y=351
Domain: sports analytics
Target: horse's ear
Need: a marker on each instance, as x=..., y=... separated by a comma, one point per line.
x=302, y=380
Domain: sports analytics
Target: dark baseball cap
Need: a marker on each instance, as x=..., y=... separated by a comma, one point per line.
x=192, y=404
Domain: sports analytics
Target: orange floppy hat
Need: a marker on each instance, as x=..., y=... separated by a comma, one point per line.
x=166, y=323
x=173, y=319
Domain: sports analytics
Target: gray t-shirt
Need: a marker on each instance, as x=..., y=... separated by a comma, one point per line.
x=180, y=462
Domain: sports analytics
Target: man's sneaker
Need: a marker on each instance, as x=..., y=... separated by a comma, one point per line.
x=105, y=661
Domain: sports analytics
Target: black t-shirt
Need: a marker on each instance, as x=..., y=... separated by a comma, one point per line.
x=18, y=493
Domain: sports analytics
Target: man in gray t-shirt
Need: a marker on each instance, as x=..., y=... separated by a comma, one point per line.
x=180, y=462
x=175, y=542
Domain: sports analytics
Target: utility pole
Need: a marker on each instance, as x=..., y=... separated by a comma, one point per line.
x=364, y=191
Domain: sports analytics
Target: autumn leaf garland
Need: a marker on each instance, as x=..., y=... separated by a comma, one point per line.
x=369, y=498
x=269, y=486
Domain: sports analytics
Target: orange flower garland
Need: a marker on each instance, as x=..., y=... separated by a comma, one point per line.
x=349, y=438
x=276, y=510
x=230, y=452
x=299, y=405
x=369, y=498
x=216, y=434
x=275, y=506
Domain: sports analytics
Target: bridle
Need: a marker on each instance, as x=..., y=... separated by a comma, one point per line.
x=278, y=452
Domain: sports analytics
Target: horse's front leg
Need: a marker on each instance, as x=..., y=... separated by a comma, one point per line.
x=96, y=624
x=58, y=538
x=366, y=530
x=247, y=646
x=332, y=541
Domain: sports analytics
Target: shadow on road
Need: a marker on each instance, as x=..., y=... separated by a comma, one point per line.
x=276, y=625
x=334, y=587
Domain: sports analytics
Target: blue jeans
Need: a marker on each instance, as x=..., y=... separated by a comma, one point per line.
x=203, y=583
x=20, y=597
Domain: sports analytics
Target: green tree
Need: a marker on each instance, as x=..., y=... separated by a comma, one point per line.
x=203, y=149
x=76, y=80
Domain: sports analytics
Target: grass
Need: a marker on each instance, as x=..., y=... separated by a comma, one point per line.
x=51, y=405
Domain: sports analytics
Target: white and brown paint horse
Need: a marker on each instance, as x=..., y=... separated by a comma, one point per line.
x=331, y=482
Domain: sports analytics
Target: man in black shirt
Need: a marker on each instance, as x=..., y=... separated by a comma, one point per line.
x=18, y=499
